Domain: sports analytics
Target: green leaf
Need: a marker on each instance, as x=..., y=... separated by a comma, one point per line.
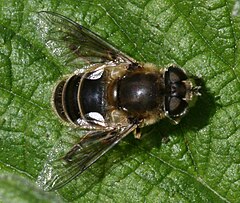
x=195, y=161
x=17, y=189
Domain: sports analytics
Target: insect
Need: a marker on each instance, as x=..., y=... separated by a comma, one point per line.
x=108, y=96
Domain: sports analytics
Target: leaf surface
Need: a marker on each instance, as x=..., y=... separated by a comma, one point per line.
x=195, y=161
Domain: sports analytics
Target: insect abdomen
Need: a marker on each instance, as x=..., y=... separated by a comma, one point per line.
x=92, y=96
x=58, y=101
x=66, y=99
x=78, y=96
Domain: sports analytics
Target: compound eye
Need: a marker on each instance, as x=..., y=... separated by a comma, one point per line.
x=175, y=106
x=174, y=75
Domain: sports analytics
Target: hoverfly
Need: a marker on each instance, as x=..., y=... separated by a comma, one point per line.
x=108, y=96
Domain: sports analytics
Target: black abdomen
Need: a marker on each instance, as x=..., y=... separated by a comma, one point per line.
x=65, y=99
x=92, y=96
x=78, y=96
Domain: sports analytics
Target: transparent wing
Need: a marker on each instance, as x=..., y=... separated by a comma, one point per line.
x=61, y=169
x=74, y=44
